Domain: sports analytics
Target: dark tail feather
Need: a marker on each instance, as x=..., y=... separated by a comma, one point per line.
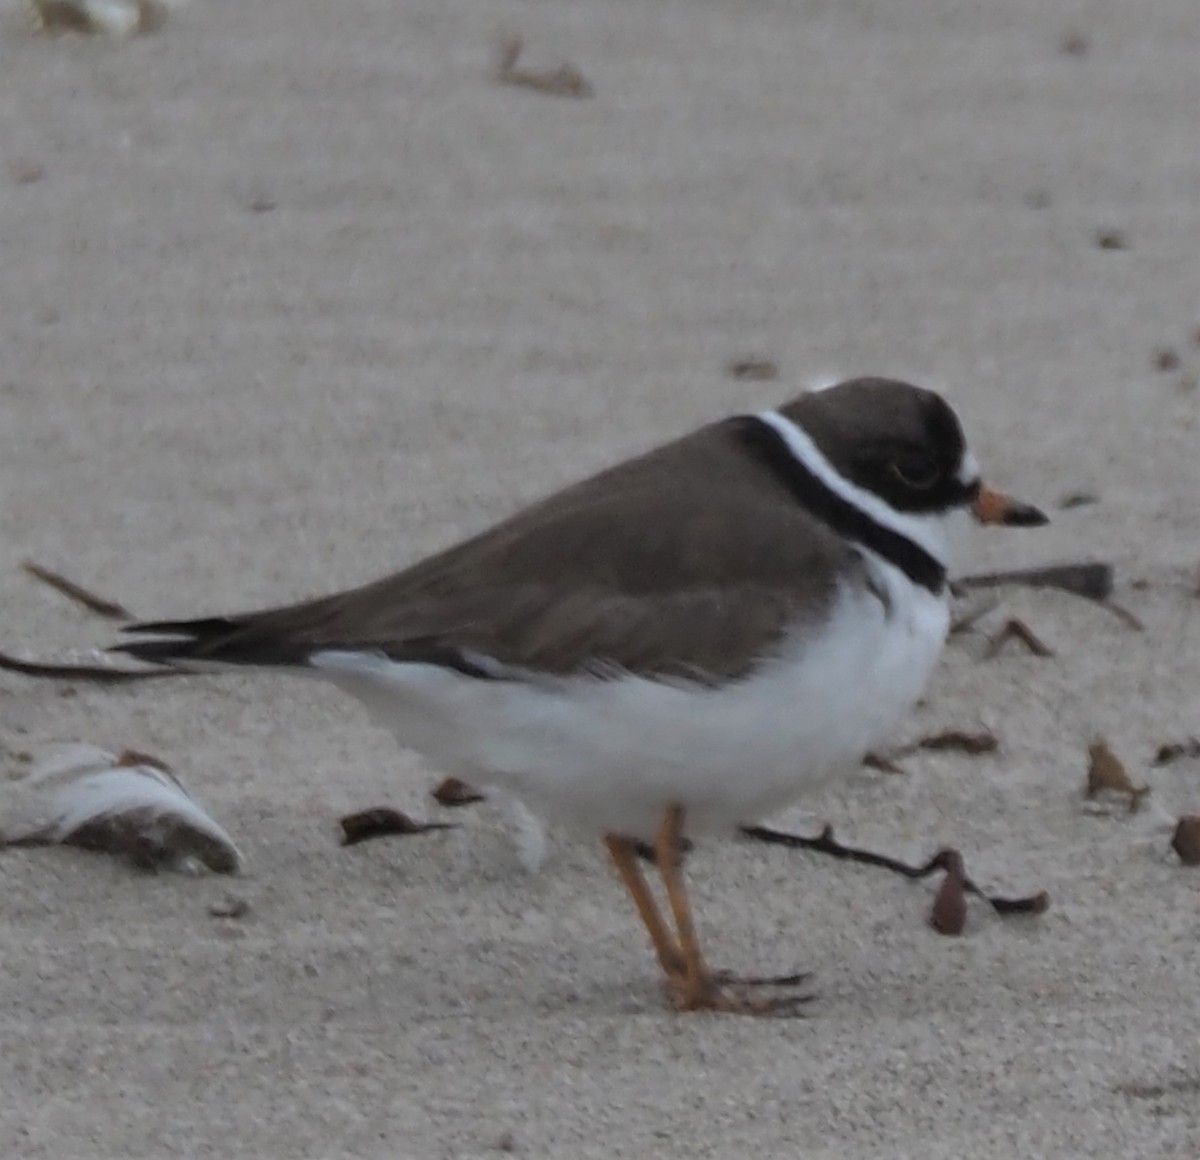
x=218, y=640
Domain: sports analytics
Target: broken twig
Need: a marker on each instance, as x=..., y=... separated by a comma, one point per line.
x=1093, y=581
x=76, y=592
x=825, y=843
x=564, y=81
x=1015, y=629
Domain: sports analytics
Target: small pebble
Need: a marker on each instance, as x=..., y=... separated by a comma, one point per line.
x=1186, y=840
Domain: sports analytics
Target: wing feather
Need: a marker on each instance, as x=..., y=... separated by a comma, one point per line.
x=680, y=564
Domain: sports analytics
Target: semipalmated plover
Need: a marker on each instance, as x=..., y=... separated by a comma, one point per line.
x=689, y=639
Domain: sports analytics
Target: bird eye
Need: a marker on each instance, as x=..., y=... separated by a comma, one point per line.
x=916, y=471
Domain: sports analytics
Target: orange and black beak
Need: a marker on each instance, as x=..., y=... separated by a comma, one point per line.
x=994, y=507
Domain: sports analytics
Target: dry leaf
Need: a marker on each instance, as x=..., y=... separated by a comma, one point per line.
x=961, y=741
x=1186, y=840
x=1170, y=751
x=382, y=822
x=454, y=792
x=1106, y=773
x=948, y=914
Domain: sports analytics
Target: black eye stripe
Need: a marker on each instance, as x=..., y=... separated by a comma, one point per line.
x=765, y=444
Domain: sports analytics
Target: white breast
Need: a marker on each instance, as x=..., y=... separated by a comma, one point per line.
x=610, y=754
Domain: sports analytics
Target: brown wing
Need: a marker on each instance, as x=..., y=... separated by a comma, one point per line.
x=688, y=561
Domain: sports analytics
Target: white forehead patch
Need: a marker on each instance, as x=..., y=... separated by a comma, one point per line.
x=968, y=470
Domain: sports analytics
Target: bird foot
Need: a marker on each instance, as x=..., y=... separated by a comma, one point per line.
x=738, y=995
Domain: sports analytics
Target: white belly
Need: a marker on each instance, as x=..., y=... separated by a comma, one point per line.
x=610, y=754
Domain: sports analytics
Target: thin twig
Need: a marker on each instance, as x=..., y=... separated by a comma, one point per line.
x=1016, y=629
x=1122, y=613
x=76, y=592
x=825, y=843
x=1093, y=580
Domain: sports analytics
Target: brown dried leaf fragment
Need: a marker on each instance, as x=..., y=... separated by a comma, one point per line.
x=1186, y=839
x=1074, y=43
x=1077, y=499
x=1107, y=773
x=1170, y=751
x=454, y=792
x=382, y=822
x=883, y=763
x=758, y=370
x=24, y=172
x=564, y=81
x=948, y=914
x=961, y=741
x=1108, y=238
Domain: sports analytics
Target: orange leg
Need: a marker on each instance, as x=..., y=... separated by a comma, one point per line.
x=623, y=852
x=697, y=988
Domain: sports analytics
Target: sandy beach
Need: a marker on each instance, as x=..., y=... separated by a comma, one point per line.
x=294, y=293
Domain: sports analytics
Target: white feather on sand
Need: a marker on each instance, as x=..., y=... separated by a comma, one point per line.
x=116, y=18
x=130, y=805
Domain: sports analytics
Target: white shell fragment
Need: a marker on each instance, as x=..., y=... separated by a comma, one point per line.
x=117, y=18
x=131, y=806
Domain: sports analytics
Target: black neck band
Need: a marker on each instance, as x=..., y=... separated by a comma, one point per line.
x=769, y=448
